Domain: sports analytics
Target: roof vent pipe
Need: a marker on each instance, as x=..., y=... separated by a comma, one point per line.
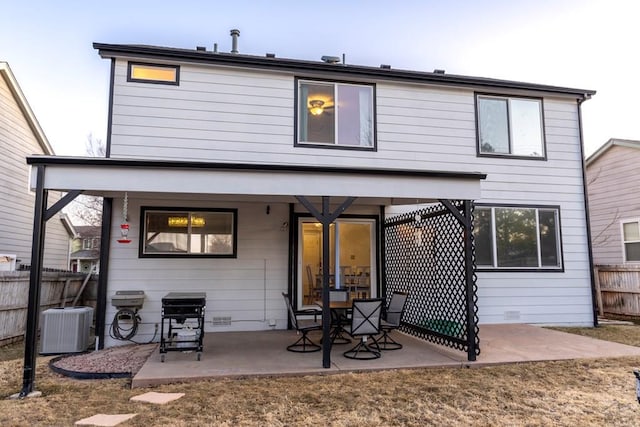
x=234, y=40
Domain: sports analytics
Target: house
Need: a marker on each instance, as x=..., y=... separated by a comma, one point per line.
x=612, y=172
x=245, y=176
x=21, y=136
x=85, y=249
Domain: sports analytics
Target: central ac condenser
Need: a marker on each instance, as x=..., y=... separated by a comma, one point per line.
x=65, y=330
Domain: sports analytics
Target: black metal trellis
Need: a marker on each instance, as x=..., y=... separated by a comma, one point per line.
x=429, y=254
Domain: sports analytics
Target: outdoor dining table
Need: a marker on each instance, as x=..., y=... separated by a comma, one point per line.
x=338, y=318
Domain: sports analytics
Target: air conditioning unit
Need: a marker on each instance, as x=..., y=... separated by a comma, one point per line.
x=65, y=330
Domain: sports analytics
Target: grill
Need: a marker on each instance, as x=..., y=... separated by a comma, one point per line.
x=183, y=314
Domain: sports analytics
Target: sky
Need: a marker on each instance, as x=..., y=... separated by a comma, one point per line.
x=585, y=44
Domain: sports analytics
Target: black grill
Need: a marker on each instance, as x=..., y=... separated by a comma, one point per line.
x=177, y=309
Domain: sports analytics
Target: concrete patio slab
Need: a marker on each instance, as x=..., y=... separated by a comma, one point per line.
x=105, y=420
x=242, y=354
x=157, y=398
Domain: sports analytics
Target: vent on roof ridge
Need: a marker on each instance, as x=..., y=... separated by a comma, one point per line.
x=385, y=66
x=438, y=71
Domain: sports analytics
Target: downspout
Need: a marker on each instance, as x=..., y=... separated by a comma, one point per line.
x=586, y=211
x=35, y=278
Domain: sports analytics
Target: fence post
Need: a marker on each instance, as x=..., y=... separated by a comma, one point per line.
x=596, y=277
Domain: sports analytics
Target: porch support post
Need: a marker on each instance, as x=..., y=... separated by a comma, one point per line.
x=35, y=277
x=464, y=218
x=103, y=275
x=325, y=217
x=469, y=278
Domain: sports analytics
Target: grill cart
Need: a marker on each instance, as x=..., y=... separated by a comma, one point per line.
x=184, y=314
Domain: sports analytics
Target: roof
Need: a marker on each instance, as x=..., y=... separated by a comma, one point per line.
x=21, y=100
x=629, y=143
x=88, y=230
x=86, y=254
x=297, y=66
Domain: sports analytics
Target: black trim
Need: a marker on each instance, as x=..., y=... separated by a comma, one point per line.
x=334, y=146
x=64, y=201
x=151, y=65
x=168, y=164
x=320, y=68
x=480, y=153
x=585, y=193
x=110, y=118
x=482, y=269
x=145, y=209
x=381, y=261
x=103, y=276
x=293, y=266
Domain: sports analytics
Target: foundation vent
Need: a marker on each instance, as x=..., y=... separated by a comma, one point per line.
x=221, y=321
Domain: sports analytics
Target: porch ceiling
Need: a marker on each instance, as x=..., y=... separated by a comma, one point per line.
x=107, y=177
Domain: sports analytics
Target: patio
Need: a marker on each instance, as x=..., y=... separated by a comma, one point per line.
x=245, y=354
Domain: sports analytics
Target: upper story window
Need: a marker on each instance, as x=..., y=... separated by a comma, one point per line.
x=510, y=126
x=153, y=73
x=518, y=237
x=335, y=115
x=171, y=232
x=631, y=240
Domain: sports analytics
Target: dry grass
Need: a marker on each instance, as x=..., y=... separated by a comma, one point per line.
x=582, y=392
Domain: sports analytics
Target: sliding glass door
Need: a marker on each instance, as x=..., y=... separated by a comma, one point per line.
x=351, y=260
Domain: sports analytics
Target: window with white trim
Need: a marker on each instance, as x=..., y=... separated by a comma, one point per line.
x=170, y=232
x=521, y=237
x=335, y=114
x=631, y=240
x=510, y=126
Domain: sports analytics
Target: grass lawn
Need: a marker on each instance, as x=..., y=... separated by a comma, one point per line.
x=570, y=393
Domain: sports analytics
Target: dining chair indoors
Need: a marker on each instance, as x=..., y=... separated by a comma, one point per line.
x=303, y=326
x=391, y=318
x=365, y=323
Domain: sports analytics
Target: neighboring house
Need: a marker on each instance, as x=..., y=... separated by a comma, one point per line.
x=85, y=249
x=233, y=168
x=614, y=203
x=21, y=136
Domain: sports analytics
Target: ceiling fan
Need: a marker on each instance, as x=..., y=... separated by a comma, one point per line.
x=318, y=106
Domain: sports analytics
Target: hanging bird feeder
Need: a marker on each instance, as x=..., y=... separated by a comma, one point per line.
x=124, y=226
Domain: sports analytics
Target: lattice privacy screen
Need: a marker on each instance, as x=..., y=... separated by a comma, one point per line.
x=425, y=256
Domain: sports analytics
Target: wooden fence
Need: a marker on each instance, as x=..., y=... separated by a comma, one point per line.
x=58, y=290
x=618, y=289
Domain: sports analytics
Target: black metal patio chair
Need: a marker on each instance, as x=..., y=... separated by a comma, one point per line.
x=339, y=317
x=365, y=323
x=303, y=326
x=391, y=318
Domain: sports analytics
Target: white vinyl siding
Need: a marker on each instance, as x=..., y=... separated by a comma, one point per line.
x=240, y=116
x=17, y=141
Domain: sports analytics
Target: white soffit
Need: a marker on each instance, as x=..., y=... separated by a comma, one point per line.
x=252, y=182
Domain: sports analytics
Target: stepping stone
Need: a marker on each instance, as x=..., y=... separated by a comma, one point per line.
x=159, y=398
x=104, y=420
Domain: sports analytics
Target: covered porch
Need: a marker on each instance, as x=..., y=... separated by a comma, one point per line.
x=324, y=192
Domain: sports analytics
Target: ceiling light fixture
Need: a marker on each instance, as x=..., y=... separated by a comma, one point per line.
x=315, y=107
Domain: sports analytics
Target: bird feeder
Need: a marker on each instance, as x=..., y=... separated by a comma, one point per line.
x=124, y=226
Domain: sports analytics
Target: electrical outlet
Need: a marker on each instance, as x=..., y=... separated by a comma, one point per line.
x=272, y=322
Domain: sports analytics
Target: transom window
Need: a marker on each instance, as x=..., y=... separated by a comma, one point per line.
x=152, y=73
x=335, y=115
x=170, y=232
x=517, y=237
x=510, y=126
x=631, y=240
